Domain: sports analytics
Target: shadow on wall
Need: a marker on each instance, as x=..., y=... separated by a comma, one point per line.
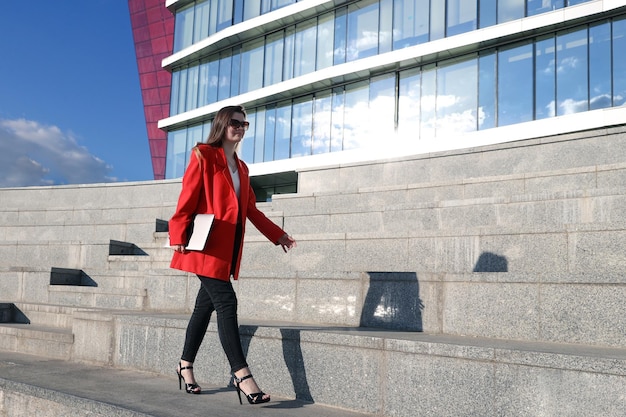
x=292, y=353
x=490, y=262
x=393, y=302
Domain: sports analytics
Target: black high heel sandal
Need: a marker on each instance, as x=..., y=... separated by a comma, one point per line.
x=256, y=398
x=190, y=388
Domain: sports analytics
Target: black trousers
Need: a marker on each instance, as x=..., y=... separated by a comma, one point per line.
x=219, y=296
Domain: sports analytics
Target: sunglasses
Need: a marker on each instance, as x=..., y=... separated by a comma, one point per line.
x=237, y=124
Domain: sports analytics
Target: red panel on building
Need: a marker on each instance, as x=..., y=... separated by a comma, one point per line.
x=153, y=33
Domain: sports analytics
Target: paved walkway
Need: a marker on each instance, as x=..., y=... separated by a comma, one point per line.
x=112, y=391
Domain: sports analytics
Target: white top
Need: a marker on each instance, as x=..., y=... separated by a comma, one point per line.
x=235, y=176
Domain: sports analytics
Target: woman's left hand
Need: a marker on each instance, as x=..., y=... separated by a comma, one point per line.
x=287, y=242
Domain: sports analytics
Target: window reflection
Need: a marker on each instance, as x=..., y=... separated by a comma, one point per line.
x=487, y=13
x=356, y=105
x=362, y=38
x=251, y=60
x=257, y=125
x=282, y=140
x=515, y=93
x=194, y=136
x=410, y=25
x=248, y=145
x=224, y=78
x=274, y=58
x=545, y=78
x=341, y=34
x=302, y=127
x=542, y=6
x=183, y=27
x=201, y=20
x=437, y=20
x=322, y=122
x=192, y=88
x=385, y=30
x=325, y=35
x=382, y=109
x=267, y=148
x=306, y=39
x=487, y=90
x=337, y=120
x=462, y=16
x=428, y=101
x=600, y=66
x=619, y=62
x=409, y=104
x=457, y=98
x=572, y=91
x=176, y=153
x=510, y=10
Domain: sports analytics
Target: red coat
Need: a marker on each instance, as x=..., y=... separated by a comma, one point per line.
x=211, y=190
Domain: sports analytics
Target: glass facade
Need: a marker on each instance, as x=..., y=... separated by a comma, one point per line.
x=409, y=22
x=202, y=18
x=357, y=30
x=559, y=70
x=563, y=72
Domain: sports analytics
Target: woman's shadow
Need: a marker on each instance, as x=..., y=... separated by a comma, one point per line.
x=292, y=353
x=393, y=302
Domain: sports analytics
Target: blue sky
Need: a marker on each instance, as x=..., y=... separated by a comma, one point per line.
x=70, y=100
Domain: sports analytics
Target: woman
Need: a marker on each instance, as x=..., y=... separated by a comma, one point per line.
x=217, y=182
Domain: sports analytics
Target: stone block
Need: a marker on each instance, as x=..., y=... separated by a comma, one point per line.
x=10, y=285
x=597, y=251
x=34, y=286
x=412, y=220
x=443, y=254
x=326, y=301
x=528, y=252
x=527, y=391
x=365, y=253
x=584, y=314
x=503, y=311
x=467, y=216
x=502, y=186
x=329, y=362
x=567, y=181
x=367, y=222
x=139, y=342
x=311, y=224
x=267, y=298
x=417, y=385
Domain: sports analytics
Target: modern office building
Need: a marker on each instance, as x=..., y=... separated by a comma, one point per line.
x=332, y=81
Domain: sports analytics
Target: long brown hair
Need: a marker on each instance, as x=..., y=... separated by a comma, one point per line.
x=220, y=124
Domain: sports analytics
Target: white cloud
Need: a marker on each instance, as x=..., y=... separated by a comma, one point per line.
x=36, y=154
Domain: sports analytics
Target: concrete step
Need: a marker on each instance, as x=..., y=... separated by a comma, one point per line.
x=591, y=247
x=58, y=316
x=52, y=388
x=426, y=191
x=397, y=210
x=529, y=157
x=96, y=297
x=543, y=306
x=53, y=342
x=166, y=289
x=335, y=365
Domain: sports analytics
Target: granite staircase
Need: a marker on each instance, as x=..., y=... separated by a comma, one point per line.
x=483, y=282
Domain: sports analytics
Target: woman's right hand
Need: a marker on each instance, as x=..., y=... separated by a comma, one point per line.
x=287, y=242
